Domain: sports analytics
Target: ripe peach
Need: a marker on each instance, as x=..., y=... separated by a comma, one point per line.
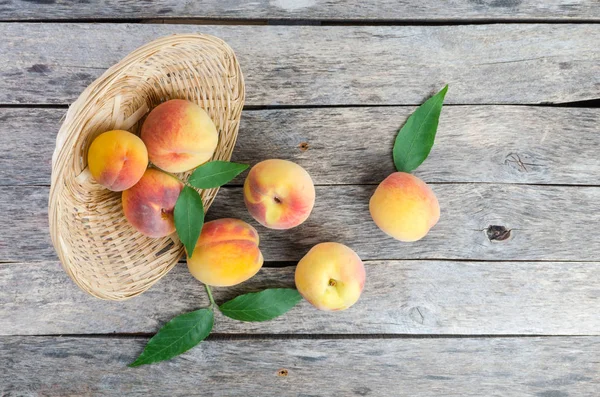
x=149, y=204
x=404, y=207
x=117, y=159
x=179, y=135
x=279, y=194
x=330, y=276
x=226, y=253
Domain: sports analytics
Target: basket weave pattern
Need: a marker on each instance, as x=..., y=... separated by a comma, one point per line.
x=96, y=245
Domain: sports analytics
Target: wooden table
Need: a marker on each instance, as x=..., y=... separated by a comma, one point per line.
x=462, y=312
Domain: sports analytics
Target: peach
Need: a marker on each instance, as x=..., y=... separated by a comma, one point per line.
x=117, y=159
x=226, y=253
x=149, y=204
x=279, y=194
x=330, y=276
x=179, y=136
x=404, y=207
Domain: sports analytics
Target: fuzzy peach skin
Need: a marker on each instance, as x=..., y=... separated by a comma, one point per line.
x=330, y=276
x=226, y=253
x=149, y=204
x=404, y=207
x=117, y=159
x=179, y=136
x=279, y=194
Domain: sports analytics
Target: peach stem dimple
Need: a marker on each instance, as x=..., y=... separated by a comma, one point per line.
x=332, y=282
x=164, y=213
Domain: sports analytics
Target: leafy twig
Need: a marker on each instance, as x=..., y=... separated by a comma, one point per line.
x=210, y=296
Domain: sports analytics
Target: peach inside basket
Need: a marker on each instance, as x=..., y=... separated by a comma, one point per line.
x=96, y=245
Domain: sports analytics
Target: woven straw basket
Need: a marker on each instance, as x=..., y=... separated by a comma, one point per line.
x=98, y=248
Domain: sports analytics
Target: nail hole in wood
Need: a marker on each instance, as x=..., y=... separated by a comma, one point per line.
x=282, y=372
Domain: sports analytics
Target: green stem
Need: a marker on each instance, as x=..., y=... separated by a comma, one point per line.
x=210, y=296
x=170, y=173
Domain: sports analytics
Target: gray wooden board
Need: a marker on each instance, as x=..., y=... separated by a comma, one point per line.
x=400, y=297
x=534, y=283
x=540, y=367
x=303, y=65
x=547, y=223
x=508, y=10
x=507, y=144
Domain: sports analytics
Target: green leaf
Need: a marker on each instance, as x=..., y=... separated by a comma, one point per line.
x=189, y=218
x=261, y=306
x=415, y=138
x=215, y=174
x=177, y=336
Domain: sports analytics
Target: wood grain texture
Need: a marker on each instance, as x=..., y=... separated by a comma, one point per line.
x=377, y=10
x=400, y=297
x=505, y=144
x=312, y=65
x=541, y=367
x=546, y=222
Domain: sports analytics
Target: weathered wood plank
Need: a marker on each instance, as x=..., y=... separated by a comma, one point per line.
x=400, y=297
x=299, y=65
x=27, y=139
x=546, y=223
x=507, y=144
x=308, y=9
x=541, y=367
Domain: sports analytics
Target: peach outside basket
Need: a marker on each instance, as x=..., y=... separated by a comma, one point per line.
x=96, y=245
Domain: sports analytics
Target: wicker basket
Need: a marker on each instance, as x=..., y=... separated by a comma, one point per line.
x=98, y=248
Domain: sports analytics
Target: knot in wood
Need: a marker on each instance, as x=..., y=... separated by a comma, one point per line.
x=498, y=233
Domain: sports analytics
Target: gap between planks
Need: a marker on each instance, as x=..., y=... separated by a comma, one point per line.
x=311, y=22
x=586, y=104
x=266, y=337
x=284, y=264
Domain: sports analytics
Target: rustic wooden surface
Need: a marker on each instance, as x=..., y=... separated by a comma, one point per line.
x=492, y=144
x=459, y=313
x=327, y=65
x=316, y=10
x=422, y=297
x=545, y=222
x=544, y=367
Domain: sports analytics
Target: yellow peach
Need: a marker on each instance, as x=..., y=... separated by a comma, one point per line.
x=279, y=194
x=330, y=276
x=404, y=207
x=149, y=204
x=117, y=159
x=179, y=136
x=226, y=253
